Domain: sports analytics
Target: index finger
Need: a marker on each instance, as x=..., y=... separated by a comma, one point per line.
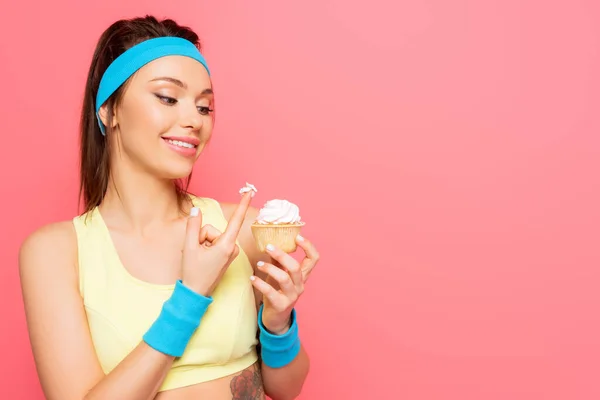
x=237, y=219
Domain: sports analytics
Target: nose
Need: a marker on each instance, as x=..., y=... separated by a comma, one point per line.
x=191, y=118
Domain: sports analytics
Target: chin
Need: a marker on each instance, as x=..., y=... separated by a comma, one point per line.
x=176, y=170
x=176, y=165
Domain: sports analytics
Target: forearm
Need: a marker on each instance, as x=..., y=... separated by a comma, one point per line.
x=286, y=382
x=141, y=373
x=137, y=377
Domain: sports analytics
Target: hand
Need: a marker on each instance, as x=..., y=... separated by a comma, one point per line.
x=207, y=252
x=289, y=276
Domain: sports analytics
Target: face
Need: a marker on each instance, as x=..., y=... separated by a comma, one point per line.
x=164, y=118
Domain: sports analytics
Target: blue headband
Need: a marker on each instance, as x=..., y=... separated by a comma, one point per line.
x=135, y=58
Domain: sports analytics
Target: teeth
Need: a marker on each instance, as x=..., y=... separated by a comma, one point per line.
x=181, y=144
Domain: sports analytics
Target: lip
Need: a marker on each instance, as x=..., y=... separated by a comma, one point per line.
x=186, y=139
x=183, y=151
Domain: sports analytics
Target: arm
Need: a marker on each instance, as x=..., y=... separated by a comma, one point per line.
x=65, y=359
x=285, y=382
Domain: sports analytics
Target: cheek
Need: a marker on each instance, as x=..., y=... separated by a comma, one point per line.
x=146, y=117
x=207, y=129
x=205, y=135
x=159, y=118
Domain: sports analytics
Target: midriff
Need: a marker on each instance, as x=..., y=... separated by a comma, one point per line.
x=244, y=385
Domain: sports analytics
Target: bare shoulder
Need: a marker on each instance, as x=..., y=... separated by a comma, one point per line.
x=47, y=247
x=56, y=321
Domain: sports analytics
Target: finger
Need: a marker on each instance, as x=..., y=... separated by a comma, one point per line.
x=208, y=233
x=311, y=259
x=287, y=262
x=192, y=229
x=281, y=277
x=309, y=248
x=306, y=270
x=275, y=297
x=237, y=219
x=306, y=275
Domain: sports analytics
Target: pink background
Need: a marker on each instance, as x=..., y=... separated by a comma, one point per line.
x=445, y=155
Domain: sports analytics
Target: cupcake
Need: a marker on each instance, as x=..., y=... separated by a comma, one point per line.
x=278, y=223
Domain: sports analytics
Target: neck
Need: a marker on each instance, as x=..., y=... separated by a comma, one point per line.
x=138, y=200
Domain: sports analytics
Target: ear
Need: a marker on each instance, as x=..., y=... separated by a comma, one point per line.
x=103, y=113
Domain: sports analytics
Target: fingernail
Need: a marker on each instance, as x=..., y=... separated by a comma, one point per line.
x=252, y=277
x=270, y=247
x=260, y=263
x=194, y=212
x=300, y=238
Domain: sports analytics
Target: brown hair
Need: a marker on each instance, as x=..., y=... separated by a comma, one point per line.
x=94, y=161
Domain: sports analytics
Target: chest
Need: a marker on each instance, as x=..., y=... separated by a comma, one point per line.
x=153, y=258
x=122, y=303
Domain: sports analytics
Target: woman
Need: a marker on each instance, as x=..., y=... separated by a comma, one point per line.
x=153, y=292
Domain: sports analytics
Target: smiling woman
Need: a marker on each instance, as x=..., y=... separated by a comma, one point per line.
x=151, y=292
x=184, y=145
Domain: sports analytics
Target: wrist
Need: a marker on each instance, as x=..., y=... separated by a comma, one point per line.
x=278, y=332
x=202, y=291
x=279, y=329
x=279, y=350
x=178, y=320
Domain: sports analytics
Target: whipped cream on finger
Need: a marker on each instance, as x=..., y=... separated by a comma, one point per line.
x=249, y=187
x=278, y=211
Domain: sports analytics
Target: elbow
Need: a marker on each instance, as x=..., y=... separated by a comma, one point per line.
x=288, y=395
x=289, y=385
x=289, y=392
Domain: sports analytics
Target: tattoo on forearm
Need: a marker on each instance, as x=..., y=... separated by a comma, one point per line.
x=248, y=385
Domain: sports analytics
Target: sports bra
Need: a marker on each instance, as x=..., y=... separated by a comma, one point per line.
x=120, y=308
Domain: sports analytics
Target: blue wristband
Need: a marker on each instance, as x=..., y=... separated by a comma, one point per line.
x=178, y=320
x=278, y=350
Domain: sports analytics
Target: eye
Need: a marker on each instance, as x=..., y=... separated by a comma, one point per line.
x=204, y=110
x=167, y=100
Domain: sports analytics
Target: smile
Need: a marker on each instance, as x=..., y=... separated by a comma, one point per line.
x=186, y=146
x=181, y=144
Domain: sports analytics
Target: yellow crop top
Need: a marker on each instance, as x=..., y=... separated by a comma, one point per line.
x=120, y=308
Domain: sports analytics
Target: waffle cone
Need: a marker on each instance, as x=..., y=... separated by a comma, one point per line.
x=282, y=236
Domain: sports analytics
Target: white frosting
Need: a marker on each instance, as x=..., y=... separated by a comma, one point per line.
x=247, y=188
x=278, y=212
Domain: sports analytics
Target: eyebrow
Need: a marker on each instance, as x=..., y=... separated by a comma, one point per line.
x=179, y=83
